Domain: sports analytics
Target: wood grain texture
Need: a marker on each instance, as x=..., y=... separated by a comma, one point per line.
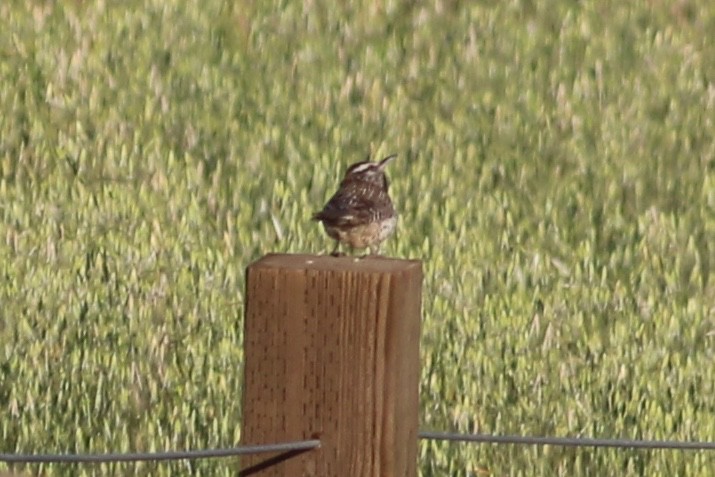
x=332, y=351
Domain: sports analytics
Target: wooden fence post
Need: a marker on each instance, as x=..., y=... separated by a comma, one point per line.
x=332, y=352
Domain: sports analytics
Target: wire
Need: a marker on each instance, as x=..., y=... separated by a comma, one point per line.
x=314, y=443
x=159, y=456
x=568, y=441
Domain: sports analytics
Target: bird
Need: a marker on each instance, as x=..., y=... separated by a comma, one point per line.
x=360, y=214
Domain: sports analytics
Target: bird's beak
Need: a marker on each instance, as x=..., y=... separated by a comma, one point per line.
x=387, y=160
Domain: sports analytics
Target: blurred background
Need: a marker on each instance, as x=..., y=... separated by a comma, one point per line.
x=556, y=174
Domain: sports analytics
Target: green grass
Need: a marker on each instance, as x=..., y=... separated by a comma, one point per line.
x=556, y=174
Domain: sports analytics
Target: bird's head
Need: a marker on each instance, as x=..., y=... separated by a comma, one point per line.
x=367, y=171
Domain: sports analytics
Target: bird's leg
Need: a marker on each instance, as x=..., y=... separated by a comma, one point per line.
x=370, y=252
x=336, y=250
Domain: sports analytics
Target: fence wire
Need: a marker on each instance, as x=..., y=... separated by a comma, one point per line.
x=159, y=456
x=568, y=441
x=315, y=443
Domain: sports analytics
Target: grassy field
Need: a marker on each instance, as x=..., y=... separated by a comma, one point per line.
x=556, y=174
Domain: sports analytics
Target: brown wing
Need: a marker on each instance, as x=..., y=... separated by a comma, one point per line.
x=355, y=205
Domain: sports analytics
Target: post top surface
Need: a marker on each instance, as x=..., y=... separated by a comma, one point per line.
x=327, y=262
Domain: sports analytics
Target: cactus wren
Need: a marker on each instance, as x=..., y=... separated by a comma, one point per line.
x=360, y=213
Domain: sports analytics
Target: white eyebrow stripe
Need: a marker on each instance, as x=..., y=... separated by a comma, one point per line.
x=363, y=167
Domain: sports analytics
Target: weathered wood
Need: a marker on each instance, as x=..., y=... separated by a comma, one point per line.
x=332, y=351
